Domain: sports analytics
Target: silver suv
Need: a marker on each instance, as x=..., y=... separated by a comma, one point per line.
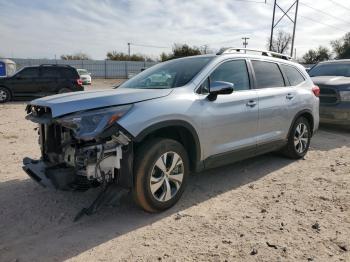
x=148, y=136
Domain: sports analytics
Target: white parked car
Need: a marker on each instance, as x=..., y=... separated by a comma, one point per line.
x=85, y=76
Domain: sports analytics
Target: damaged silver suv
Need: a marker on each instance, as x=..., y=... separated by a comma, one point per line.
x=147, y=136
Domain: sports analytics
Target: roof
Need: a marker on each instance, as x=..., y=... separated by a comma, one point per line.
x=336, y=61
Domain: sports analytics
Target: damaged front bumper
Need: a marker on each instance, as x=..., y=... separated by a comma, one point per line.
x=68, y=163
x=48, y=176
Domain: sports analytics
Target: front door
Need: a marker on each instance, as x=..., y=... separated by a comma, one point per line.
x=24, y=83
x=229, y=123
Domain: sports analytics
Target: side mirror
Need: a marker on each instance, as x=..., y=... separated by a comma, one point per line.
x=219, y=88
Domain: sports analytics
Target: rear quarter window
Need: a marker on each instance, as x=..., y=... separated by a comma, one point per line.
x=267, y=74
x=69, y=73
x=293, y=75
x=50, y=72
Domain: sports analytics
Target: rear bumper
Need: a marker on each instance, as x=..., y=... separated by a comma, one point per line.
x=338, y=114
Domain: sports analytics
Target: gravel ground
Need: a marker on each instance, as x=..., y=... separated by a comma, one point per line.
x=264, y=209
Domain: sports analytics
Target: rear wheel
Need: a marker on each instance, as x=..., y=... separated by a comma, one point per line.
x=5, y=95
x=64, y=90
x=299, y=139
x=161, y=171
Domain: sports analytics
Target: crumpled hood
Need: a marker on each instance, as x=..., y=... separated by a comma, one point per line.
x=331, y=80
x=63, y=104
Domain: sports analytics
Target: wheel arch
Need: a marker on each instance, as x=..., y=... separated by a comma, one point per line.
x=179, y=130
x=303, y=113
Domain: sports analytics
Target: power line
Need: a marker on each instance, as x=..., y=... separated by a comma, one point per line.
x=321, y=11
x=251, y=1
x=151, y=46
x=318, y=22
x=341, y=5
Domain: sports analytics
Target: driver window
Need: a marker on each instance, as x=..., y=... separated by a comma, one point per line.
x=234, y=72
x=28, y=73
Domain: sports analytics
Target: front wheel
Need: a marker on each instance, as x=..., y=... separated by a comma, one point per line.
x=299, y=139
x=161, y=171
x=64, y=90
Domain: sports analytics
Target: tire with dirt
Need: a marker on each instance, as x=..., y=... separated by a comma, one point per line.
x=161, y=172
x=5, y=95
x=299, y=139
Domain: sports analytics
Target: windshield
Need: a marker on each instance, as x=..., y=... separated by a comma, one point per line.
x=331, y=69
x=82, y=72
x=171, y=74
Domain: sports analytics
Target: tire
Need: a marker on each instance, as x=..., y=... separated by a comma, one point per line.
x=298, y=143
x=64, y=90
x=148, y=160
x=5, y=95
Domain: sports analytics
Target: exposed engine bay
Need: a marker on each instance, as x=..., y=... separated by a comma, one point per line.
x=74, y=163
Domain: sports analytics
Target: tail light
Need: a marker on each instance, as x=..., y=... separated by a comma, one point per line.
x=79, y=82
x=316, y=91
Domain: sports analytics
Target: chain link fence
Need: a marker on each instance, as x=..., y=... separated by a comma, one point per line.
x=97, y=68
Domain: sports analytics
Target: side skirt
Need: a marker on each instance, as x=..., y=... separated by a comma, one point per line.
x=241, y=154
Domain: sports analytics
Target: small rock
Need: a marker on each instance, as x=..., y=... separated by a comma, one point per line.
x=251, y=186
x=263, y=210
x=310, y=259
x=254, y=252
x=241, y=235
x=226, y=241
x=316, y=226
x=284, y=249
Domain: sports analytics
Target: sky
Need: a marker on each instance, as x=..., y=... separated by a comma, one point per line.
x=43, y=29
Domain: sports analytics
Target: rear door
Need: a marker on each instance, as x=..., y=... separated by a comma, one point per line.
x=275, y=99
x=24, y=83
x=49, y=80
x=230, y=122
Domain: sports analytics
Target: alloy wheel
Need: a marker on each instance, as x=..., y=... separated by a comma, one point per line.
x=301, y=138
x=3, y=95
x=167, y=176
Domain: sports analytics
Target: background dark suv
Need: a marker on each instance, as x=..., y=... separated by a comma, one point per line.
x=38, y=81
x=333, y=78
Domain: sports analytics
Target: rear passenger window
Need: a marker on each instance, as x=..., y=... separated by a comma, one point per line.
x=69, y=73
x=49, y=72
x=267, y=74
x=234, y=72
x=293, y=75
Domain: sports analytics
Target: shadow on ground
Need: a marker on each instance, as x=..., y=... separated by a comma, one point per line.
x=39, y=221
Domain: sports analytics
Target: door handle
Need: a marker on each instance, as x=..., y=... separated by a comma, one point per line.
x=251, y=103
x=289, y=96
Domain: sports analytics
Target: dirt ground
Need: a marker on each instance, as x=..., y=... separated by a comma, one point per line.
x=264, y=209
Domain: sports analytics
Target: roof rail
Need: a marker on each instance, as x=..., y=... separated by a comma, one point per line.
x=63, y=65
x=232, y=50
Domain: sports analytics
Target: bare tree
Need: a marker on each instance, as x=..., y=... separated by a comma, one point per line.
x=76, y=56
x=281, y=43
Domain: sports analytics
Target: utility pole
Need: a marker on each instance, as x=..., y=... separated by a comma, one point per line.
x=294, y=6
x=245, y=43
x=129, y=49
